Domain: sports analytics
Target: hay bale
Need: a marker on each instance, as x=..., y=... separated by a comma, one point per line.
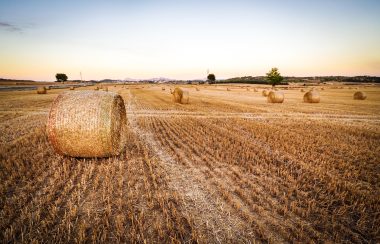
x=180, y=96
x=47, y=87
x=265, y=93
x=163, y=88
x=72, y=88
x=185, y=97
x=311, y=97
x=275, y=97
x=105, y=88
x=197, y=89
x=41, y=90
x=96, y=88
x=87, y=124
x=359, y=95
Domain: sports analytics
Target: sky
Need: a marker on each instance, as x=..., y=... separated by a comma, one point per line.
x=183, y=39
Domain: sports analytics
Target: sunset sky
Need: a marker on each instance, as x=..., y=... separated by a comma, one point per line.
x=182, y=39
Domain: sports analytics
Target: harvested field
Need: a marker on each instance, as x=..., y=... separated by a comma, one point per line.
x=226, y=167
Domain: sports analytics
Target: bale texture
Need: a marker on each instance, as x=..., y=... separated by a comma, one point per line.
x=41, y=90
x=359, y=95
x=275, y=97
x=87, y=124
x=311, y=97
x=72, y=88
x=96, y=88
x=265, y=93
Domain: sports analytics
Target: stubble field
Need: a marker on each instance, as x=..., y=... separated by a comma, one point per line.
x=227, y=167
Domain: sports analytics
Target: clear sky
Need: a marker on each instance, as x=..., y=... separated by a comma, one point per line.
x=182, y=39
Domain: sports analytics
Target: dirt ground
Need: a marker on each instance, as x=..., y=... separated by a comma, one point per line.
x=227, y=167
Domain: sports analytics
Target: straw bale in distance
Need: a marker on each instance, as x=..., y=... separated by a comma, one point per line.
x=105, y=88
x=180, y=96
x=47, y=87
x=41, y=90
x=87, y=124
x=275, y=97
x=311, y=97
x=185, y=97
x=265, y=93
x=72, y=88
x=96, y=88
x=359, y=95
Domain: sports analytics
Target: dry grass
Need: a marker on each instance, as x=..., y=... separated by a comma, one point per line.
x=219, y=169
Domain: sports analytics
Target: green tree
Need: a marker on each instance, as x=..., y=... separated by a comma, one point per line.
x=61, y=77
x=274, y=77
x=211, y=78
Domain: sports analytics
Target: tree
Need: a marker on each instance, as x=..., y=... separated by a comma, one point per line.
x=274, y=77
x=211, y=78
x=61, y=77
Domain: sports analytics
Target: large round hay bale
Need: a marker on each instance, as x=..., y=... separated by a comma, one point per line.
x=177, y=94
x=185, y=97
x=359, y=95
x=311, y=97
x=87, y=124
x=275, y=97
x=265, y=93
x=96, y=88
x=41, y=90
x=72, y=88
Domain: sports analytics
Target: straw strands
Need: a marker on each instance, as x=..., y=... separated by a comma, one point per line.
x=87, y=124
